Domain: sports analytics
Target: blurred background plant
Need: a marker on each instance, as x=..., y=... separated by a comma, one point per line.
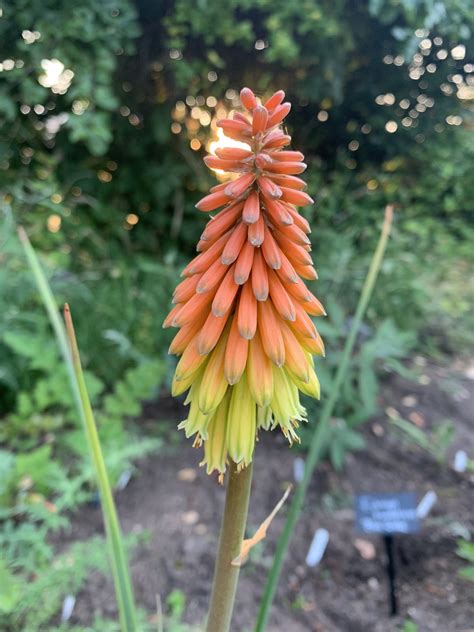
x=106, y=109
x=465, y=550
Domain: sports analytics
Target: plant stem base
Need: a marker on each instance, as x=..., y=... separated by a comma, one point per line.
x=232, y=533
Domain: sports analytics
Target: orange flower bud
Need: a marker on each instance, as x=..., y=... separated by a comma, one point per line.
x=246, y=336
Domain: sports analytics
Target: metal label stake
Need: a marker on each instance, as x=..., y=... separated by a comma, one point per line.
x=389, y=541
x=388, y=514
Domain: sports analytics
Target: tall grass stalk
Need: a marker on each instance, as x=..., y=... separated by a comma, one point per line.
x=69, y=350
x=319, y=437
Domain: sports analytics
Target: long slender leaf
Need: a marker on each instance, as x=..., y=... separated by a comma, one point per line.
x=69, y=350
x=319, y=438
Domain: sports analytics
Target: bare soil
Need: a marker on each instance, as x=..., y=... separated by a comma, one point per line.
x=181, y=507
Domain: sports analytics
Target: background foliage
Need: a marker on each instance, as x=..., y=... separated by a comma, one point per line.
x=106, y=109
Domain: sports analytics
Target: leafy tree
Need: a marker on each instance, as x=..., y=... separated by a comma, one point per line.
x=87, y=102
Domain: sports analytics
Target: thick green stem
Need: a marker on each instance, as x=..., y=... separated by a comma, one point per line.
x=318, y=440
x=226, y=575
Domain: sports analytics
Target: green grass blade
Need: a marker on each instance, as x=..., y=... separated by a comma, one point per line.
x=51, y=308
x=68, y=346
x=318, y=440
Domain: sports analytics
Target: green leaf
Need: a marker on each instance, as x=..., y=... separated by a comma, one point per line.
x=118, y=557
x=353, y=440
x=39, y=465
x=10, y=589
x=7, y=465
x=95, y=386
x=465, y=550
x=25, y=405
x=35, y=347
x=105, y=98
x=444, y=435
x=7, y=105
x=368, y=387
x=337, y=454
x=467, y=573
x=412, y=432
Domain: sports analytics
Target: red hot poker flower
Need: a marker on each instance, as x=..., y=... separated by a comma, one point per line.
x=246, y=338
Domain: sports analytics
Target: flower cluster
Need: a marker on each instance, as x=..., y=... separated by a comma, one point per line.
x=246, y=339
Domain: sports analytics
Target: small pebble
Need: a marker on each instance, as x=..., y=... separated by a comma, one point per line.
x=190, y=517
x=424, y=380
x=187, y=474
x=378, y=430
x=410, y=400
x=417, y=419
x=365, y=548
x=373, y=583
x=392, y=412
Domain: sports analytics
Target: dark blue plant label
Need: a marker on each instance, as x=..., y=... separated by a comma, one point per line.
x=386, y=513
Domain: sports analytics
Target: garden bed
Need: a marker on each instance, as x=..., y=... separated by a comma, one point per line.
x=173, y=499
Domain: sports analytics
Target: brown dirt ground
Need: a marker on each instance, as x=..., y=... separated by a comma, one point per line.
x=181, y=507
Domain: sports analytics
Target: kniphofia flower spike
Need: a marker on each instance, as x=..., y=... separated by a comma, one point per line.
x=246, y=339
